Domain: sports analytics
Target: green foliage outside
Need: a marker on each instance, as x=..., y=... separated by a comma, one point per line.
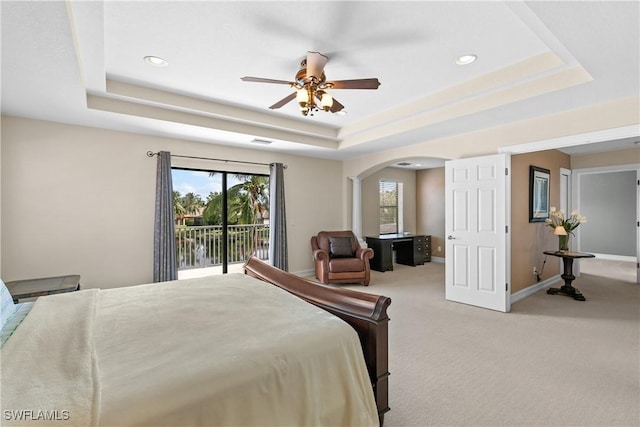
x=247, y=203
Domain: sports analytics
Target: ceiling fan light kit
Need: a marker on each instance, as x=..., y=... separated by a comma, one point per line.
x=311, y=86
x=306, y=97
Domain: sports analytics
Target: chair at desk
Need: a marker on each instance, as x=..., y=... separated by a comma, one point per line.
x=339, y=258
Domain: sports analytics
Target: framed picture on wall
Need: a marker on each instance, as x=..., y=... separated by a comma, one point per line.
x=538, y=194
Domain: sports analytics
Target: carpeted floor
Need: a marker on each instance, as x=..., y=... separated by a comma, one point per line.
x=552, y=361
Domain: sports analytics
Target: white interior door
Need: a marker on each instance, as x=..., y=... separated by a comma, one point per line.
x=477, y=214
x=638, y=226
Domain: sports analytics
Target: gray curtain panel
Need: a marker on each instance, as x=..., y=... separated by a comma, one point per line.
x=278, y=254
x=164, y=236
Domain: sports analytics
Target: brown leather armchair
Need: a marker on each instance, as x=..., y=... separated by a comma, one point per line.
x=339, y=258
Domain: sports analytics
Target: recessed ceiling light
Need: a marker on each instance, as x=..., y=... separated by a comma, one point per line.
x=155, y=61
x=466, y=59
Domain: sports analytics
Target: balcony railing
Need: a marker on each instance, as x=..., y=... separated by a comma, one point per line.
x=201, y=246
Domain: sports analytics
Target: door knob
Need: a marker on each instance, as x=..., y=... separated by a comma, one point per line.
x=450, y=237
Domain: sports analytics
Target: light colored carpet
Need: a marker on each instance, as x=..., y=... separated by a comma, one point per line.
x=619, y=270
x=552, y=361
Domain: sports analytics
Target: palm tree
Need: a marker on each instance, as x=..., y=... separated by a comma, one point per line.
x=212, y=214
x=255, y=203
x=178, y=209
x=247, y=203
x=192, y=203
x=251, y=201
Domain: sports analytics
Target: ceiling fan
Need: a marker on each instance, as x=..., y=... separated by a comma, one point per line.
x=311, y=86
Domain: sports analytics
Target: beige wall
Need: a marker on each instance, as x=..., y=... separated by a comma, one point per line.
x=611, y=158
x=370, y=192
x=529, y=240
x=60, y=196
x=611, y=115
x=78, y=200
x=430, y=207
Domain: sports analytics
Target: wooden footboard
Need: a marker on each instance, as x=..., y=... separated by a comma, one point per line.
x=366, y=313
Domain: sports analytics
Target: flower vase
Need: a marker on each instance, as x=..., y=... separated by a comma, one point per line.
x=563, y=242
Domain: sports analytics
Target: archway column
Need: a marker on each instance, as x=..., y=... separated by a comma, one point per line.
x=356, y=206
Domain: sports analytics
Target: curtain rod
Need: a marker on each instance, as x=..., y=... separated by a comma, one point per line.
x=151, y=154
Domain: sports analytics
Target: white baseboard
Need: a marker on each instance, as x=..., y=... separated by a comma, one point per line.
x=522, y=294
x=437, y=259
x=616, y=257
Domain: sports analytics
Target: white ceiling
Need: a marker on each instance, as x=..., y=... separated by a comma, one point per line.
x=81, y=62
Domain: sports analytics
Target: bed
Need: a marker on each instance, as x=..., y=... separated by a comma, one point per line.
x=224, y=350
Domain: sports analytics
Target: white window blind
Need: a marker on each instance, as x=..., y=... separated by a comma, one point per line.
x=388, y=207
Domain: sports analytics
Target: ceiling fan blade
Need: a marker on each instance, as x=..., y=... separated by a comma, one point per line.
x=336, y=106
x=283, y=101
x=355, y=84
x=315, y=64
x=261, y=80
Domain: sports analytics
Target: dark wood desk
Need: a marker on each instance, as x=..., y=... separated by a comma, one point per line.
x=411, y=249
x=567, y=259
x=32, y=288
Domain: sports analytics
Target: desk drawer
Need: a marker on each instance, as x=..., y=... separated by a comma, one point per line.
x=418, y=252
x=427, y=249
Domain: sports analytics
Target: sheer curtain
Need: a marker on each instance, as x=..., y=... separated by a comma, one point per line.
x=278, y=254
x=164, y=240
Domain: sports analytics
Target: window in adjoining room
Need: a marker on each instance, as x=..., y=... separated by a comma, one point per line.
x=390, y=207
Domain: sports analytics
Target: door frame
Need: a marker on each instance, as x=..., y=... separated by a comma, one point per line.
x=566, y=202
x=577, y=173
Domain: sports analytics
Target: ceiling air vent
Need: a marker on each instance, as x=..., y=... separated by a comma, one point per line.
x=261, y=141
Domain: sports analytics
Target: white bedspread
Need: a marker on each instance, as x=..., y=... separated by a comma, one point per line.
x=48, y=367
x=225, y=351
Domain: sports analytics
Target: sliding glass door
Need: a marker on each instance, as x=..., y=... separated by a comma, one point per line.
x=222, y=218
x=247, y=217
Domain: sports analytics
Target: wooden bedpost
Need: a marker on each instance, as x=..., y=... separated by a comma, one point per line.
x=366, y=313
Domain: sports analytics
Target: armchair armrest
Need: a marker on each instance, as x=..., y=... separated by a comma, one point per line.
x=321, y=260
x=364, y=253
x=320, y=255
